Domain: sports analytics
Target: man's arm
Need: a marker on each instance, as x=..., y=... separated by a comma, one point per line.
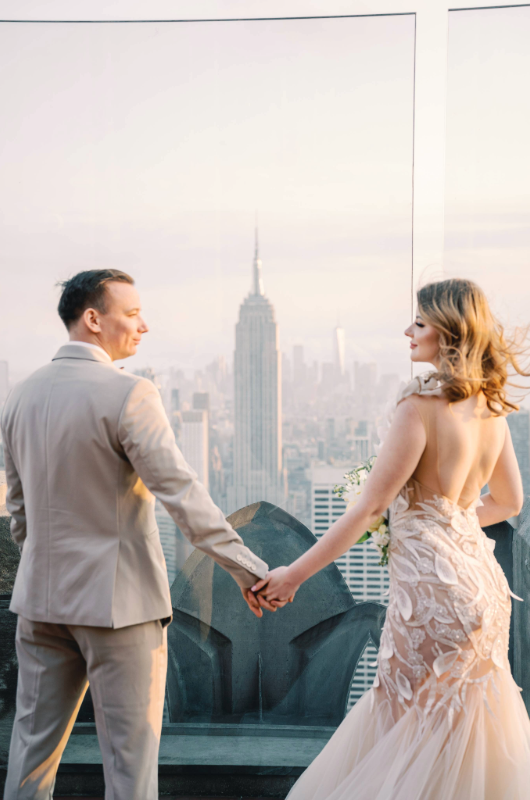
x=146, y=436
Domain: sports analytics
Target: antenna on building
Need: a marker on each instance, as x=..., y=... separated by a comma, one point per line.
x=256, y=267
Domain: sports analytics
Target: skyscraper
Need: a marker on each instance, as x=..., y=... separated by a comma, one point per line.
x=299, y=365
x=194, y=442
x=257, y=400
x=201, y=400
x=339, y=347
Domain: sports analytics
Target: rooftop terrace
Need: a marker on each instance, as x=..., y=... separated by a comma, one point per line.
x=249, y=704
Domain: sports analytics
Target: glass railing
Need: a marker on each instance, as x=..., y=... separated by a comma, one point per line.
x=487, y=237
x=256, y=179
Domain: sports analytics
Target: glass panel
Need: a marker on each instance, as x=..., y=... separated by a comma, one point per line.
x=488, y=169
x=255, y=179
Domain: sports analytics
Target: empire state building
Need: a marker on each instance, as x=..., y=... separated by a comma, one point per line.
x=257, y=407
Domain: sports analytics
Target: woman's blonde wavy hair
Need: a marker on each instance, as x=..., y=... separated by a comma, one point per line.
x=475, y=354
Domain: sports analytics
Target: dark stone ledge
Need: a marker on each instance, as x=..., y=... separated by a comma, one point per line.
x=87, y=781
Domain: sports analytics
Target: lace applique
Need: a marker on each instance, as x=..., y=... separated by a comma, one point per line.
x=448, y=619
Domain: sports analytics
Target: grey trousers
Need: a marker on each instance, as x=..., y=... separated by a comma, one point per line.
x=126, y=669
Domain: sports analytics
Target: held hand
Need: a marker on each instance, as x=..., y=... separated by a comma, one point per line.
x=277, y=587
x=252, y=602
x=257, y=602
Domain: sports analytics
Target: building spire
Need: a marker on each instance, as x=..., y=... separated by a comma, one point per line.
x=257, y=286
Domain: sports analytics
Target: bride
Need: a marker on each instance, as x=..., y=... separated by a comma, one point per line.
x=444, y=719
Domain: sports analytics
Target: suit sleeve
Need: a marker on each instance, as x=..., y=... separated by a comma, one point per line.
x=15, y=499
x=146, y=436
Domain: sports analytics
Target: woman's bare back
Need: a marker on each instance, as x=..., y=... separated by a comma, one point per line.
x=464, y=441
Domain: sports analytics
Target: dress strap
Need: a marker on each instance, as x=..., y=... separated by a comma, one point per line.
x=425, y=385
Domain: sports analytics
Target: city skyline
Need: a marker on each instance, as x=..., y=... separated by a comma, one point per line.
x=164, y=183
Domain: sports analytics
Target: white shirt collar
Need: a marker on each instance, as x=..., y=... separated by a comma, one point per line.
x=94, y=347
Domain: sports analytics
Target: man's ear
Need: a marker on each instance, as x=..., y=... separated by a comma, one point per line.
x=91, y=318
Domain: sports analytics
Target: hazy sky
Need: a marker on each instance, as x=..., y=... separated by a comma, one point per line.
x=488, y=155
x=149, y=148
x=487, y=223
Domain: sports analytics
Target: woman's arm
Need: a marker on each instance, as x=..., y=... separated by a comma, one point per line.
x=395, y=464
x=505, y=497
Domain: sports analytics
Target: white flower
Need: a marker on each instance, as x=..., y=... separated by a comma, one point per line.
x=381, y=536
x=377, y=524
x=352, y=494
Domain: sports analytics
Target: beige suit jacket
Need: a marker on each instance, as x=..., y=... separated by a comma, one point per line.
x=87, y=445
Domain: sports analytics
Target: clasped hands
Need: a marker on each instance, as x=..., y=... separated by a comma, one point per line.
x=273, y=591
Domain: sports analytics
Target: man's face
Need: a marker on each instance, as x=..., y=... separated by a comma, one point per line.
x=122, y=326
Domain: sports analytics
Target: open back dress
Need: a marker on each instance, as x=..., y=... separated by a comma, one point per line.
x=444, y=719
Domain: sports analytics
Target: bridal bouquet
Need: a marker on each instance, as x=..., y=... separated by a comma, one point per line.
x=350, y=493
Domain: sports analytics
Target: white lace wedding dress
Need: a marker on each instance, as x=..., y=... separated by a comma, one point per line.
x=444, y=719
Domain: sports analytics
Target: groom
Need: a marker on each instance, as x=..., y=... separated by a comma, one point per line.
x=87, y=446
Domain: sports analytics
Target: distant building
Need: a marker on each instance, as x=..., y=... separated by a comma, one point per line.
x=258, y=471
x=362, y=445
x=299, y=365
x=194, y=442
x=367, y=581
x=218, y=375
x=201, y=401
x=175, y=400
x=339, y=344
x=519, y=423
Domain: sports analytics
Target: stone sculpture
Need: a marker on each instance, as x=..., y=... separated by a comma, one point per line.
x=293, y=667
